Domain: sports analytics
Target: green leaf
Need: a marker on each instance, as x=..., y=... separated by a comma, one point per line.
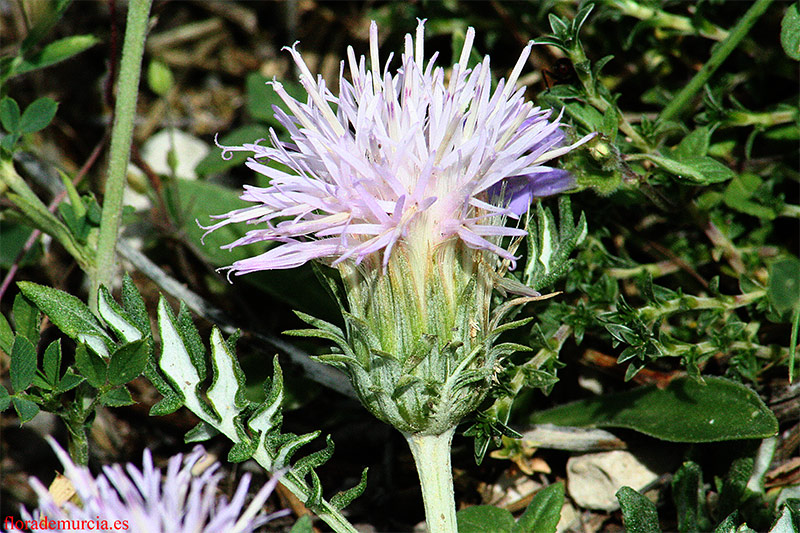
x=91, y=366
x=689, y=497
x=5, y=398
x=483, y=518
x=214, y=163
x=783, y=287
x=790, y=32
x=9, y=114
x=738, y=196
x=261, y=97
x=700, y=169
x=544, y=511
x=127, y=362
x=200, y=433
x=342, y=499
x=686, y=411
x=56, y=52
x=734, y=487
x=639, y=514
x=694, y=144
x=728, y=525
x=68, y=382
x=133, y=304
x=51, y=364
x=38, y=115
x=6, y=335
x=48, y=17
x=23, y=364
x=26, y=318
x=26, y=409
x=116, y=397
x=159, y=77
x=69, y=314
x=303, y=525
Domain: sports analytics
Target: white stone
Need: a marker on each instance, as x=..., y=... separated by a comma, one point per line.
x=594, y=478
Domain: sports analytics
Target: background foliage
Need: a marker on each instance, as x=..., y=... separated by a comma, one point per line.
x=676, y=254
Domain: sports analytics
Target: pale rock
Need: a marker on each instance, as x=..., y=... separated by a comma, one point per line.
x=594, y=478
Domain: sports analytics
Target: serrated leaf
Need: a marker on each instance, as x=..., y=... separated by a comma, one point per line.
x=226, y=393
x=639, y=514
x=26, y=318
x=484, y=518
x=51, y=363
x=116, y=317
x=127, y=362
x=790, y=32
x=177, y=364
x=192, y=341
x=116, y=397
x=91, y=366
x=314, y=460
x=133, y=304
x=200, y=433
x=23, y=364
x=242, y=450
x=69, y=314
x=789, y=519
x=544, y=511
x=25, y=409
x=342, y=499
x=166, y=406
x=38, y=115
x=9, y=114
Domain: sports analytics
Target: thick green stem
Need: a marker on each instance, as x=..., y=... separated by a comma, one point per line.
x=432, y=457
x=720, y=54
x=121, y=135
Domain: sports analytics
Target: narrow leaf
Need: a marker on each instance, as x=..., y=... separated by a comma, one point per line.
x=639, y=514
x=26, y=318
x=51, y=365
x=91, y=366
x=9, y=114
x=23, y=364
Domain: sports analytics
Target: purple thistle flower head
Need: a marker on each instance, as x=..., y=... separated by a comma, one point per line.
x=136, y=500
x=400, y=158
